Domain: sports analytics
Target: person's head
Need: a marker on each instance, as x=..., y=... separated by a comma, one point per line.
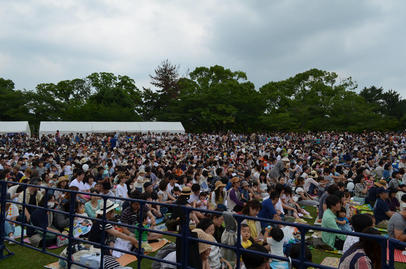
x=176, y=191
x=254, y=261
x=217, y=219
x=92, y=197
x=274, y=196
x=382, y=193
x=361, y=221
x=276, y=234
x=196, y=188
x=333, y=203
x=148, y=187
x=134, y=204
x=235, y=181
x=342, y=213
x=332, y=189
x=252, y=208
x=371, y=247
x=110, y=206
x=80, y=207
x=206, y=225
x=163, y=185
x=392, y=193
x=245, y=232
x=203, y=196
x=295, y=251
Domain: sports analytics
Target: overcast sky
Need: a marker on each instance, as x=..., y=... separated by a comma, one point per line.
x=53, y=40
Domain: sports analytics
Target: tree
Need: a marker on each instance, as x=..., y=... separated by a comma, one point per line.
x=113, y=98
x=13, y=103
x=59, y=101
x=166, y=79
x=216, y=99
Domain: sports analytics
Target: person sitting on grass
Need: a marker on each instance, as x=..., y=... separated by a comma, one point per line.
x=336, y=241
x=382, y=213
x=96, y=233
x=144, y=235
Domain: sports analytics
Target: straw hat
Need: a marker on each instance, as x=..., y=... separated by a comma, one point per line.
x=203, y=236
x=109, y=206
x=61, y=179
x=186, y=191
x=219, y=184
x=285, y=159
x=235, y=180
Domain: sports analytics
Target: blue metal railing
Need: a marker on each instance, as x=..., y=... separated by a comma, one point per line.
x=387, y=262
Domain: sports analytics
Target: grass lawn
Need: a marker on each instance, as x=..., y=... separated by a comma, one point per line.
x=27, y=258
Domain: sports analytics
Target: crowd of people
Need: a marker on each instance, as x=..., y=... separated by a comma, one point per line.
x=276, y=176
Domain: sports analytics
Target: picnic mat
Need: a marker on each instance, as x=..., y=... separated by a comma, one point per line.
x=54, y=265
x=126, y=259
x=27, y=240
x=399, y=257
x=331, y=261
x=123, y=260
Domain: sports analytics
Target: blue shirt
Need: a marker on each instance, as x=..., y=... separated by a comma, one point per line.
x=380, y=208
x=267, y=211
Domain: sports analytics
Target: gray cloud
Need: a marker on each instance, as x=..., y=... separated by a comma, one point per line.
x=50, y=40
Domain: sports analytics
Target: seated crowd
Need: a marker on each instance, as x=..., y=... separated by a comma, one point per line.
x=280, y=177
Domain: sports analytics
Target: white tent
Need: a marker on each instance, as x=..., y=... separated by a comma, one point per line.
x=67, y=127
x=9, y=127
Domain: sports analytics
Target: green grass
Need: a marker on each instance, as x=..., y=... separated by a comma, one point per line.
x=26, y=258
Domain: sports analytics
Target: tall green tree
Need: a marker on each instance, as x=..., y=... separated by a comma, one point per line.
x=113, y=98
x=13, y=103
x=165, y=79
x=216, y=99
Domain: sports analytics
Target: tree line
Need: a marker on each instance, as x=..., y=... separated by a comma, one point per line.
x=211, y=99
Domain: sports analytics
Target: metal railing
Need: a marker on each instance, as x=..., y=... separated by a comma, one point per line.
x=184, y=235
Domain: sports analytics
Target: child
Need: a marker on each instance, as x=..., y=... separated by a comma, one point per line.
x=144, y=235
x=203, y=202
x=245, y=192
x=81, y=226
x=245, y=236
x=176, y=192
x=12, y=213
x=276, y=241
x=342, y=221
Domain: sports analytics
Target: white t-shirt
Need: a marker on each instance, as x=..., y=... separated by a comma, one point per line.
x=279, y=207
x=122, y=191
x=170, y=188
x=79, y=184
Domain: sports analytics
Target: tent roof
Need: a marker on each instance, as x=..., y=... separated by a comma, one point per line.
x=50, y=127
x=14, y=127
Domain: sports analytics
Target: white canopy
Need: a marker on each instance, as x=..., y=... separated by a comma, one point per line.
x=67, y=127
x=8, y=127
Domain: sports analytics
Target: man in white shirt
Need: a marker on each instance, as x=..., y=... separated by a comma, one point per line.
x=78, y=181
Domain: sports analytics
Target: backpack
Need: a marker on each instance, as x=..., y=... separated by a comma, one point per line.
x=162, y=253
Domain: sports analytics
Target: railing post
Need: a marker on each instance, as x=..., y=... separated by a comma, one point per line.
x=238, y=244
x=71, y=219
x=185, y=234
x=302, y=247
x=391, y=254
x=24, y=220
x=140, y=230
x=103, y=233
x=3, y=199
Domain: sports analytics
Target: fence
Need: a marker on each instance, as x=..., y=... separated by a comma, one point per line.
x=184, y=235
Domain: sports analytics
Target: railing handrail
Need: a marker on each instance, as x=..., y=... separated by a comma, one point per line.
x=303, y=228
